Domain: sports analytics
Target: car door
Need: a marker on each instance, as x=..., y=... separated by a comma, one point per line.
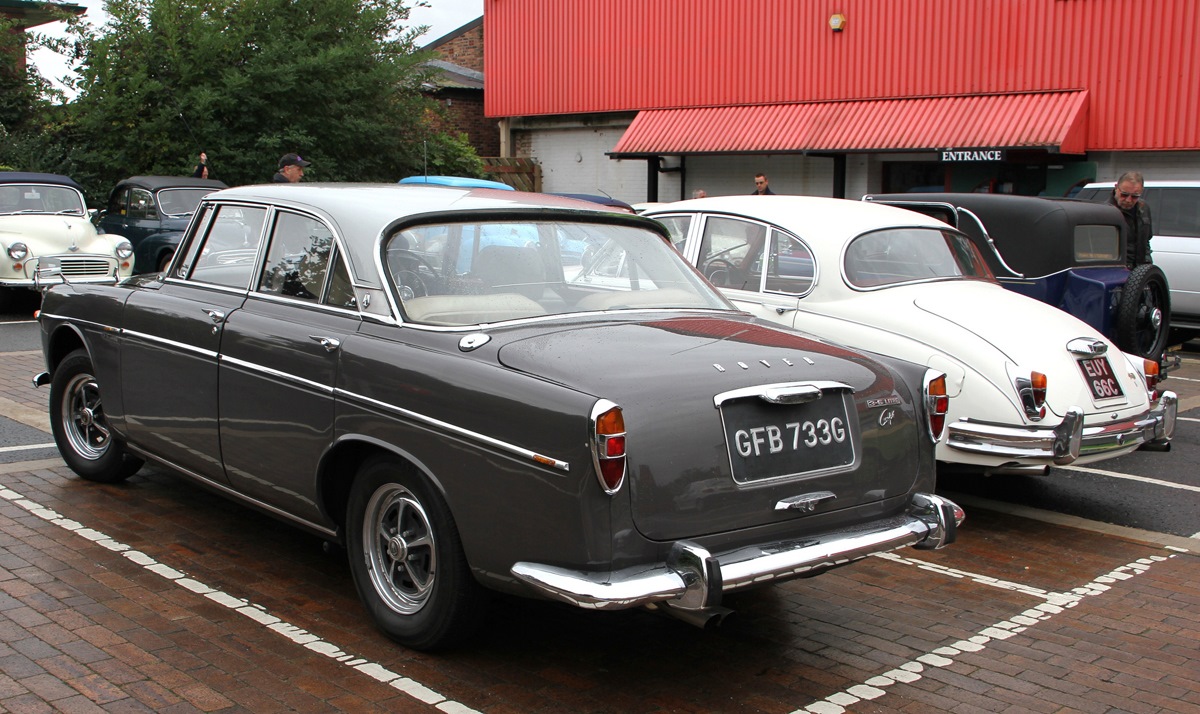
x=279, y=363
x=1175, y=212
x=142, y=218
x=172, y=336
x=113, y=220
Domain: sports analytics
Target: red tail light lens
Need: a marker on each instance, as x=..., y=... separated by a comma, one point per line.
x=937, y=403
x=608, y=445
x=1151, y=369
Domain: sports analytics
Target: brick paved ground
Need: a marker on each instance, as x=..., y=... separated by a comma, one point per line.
x=84, y=628
x=1020, y=615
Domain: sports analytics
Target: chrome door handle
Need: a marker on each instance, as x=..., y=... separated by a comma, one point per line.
x=329, y=343
x=215, y=315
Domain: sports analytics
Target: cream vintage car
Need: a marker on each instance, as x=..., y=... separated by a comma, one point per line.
x=43, y=223
x=1031, y=385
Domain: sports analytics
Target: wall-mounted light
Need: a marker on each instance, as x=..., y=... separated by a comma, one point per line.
x=837, y=22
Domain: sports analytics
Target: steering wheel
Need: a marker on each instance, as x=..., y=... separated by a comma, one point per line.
x=410, y=284
x=719, y=272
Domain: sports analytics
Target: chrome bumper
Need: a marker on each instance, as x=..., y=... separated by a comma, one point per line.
x=1069, y=440
x=694, y=579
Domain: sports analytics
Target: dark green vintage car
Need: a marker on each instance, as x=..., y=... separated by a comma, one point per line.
x=420, y=374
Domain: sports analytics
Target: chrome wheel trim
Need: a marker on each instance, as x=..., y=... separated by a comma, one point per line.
x=399, y=548
x=83, y=418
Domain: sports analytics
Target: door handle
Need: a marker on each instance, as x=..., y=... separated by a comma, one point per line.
x=330, y=344
x=215, y=315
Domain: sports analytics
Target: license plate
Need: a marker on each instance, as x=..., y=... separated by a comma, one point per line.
x=1098, y=374
x=767, y=441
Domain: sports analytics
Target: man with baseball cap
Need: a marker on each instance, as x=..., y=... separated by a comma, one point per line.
x=291, y=169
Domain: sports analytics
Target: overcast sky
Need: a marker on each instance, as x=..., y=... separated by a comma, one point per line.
x=444, y=16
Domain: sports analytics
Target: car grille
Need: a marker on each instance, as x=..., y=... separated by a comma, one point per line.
x=85, y=267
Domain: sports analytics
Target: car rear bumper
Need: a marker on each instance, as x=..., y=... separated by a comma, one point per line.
x=1071, y=439
x=693, y=579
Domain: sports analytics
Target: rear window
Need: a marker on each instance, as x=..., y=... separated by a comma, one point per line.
x=1097, y=244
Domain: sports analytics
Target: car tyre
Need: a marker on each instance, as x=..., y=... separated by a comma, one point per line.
x=407, y=558
x=1143, y=315
x=80, y=427
x=164, y=261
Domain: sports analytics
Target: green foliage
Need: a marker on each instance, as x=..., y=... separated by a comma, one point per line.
x=249, y=80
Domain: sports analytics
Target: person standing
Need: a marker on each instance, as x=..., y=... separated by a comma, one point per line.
x=760, y=186
x=699, y=193
x=1127, y=196
x=291, y=169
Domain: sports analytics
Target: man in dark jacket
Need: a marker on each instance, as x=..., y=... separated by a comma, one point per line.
x=291, y=169
x=760, y=186
x=1127, y=196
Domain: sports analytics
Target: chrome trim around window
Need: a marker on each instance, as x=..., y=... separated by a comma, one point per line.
x=457, y=430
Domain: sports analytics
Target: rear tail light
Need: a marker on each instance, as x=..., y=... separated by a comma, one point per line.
x=1150, y=367
x=1032, y=392
x=608, y=445
x=937, y=403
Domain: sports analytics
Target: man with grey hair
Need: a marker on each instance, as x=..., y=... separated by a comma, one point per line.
x=1127, y=196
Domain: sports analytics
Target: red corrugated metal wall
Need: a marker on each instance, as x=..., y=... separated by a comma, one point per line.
x=1137, y=58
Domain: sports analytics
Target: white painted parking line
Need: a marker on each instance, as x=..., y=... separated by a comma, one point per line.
x=1179, y=418
x=27, y=447
x=911, y=671
x=1131, y=477
x=1186, y=379
x=258, y=614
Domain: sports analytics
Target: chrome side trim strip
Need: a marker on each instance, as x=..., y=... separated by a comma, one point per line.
x=466, y=433
x=251, y=366
x=211, y=354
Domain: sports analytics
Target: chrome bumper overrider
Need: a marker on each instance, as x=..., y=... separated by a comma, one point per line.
x=693, y=578
x=1069, y=440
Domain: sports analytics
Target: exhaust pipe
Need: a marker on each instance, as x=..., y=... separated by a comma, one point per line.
x=708, y=618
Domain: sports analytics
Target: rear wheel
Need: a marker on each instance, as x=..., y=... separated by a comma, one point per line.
x=407, y=558
x=164, y=260
x=80, y=427
x=1144, y=312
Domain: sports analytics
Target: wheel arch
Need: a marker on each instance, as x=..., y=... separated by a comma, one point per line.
x=65, y=339
x=340, y=465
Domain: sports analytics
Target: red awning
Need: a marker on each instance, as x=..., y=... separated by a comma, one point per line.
x=1055, y=121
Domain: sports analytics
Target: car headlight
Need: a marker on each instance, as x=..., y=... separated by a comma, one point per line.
x=124, y=249
x=18, y=251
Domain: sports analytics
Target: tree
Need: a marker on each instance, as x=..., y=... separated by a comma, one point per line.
x=26, y=143
x=249, y=80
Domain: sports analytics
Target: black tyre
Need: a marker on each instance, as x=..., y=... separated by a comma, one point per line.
x=80, y=429
x=407, y=558
x=1144, y=313
x=164, y=260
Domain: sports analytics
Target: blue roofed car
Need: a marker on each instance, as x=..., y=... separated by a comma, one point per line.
x=419, y=374
x=456, y=182
x=44, y=225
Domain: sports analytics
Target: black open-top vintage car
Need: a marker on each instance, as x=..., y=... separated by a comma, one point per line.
x=1065, y=252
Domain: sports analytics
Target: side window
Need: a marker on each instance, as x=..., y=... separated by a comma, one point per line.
x=141, y=204
x=791, y=265
x=678, y=227
x=297, y=258
x=229, y=249
x=731, y=252
x=341, y=291
x=118, y=202
x=1175, y=211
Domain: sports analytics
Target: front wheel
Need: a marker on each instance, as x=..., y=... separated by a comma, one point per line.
x=407, y=558
x=1144, y=313
x=80, y=427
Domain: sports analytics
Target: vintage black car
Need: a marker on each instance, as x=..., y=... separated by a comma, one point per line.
x=420, y=374
x=151, y=212
x=1066, y=252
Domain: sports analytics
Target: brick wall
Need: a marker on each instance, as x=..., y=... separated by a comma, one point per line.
x=464, y=113
x=466, y=50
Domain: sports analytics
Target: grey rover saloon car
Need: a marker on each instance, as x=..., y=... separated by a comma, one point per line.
x=424, y=375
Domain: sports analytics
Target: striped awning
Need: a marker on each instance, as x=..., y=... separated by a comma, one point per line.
x=1053, y=121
